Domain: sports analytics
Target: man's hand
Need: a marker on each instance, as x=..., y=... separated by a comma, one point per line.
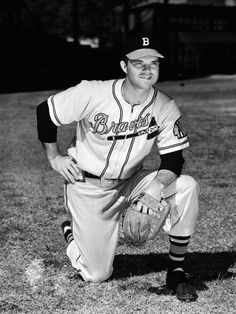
x=66, y=167
x=138, y=227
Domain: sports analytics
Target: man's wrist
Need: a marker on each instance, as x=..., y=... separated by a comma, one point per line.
x=51, y=150
x=51, y=158
x=165, y=177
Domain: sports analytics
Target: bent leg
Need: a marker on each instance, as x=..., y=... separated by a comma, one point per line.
x=95, y=220
x=183, y=195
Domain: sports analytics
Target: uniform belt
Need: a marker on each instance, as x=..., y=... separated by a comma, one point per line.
x=90, y=175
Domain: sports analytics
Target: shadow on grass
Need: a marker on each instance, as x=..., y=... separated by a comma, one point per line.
x=200, y=267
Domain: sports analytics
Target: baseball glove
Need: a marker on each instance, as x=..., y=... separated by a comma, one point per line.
x=137, y=227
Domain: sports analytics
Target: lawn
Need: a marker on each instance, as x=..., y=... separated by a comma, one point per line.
x=35, y=274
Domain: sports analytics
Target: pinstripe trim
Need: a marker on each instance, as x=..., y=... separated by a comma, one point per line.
x=108, y=158
x=127, y=156
x=120, y=120
x=135, y=130
x=150, y=103
x=54, y=111
x=174, y=145
x=65, y=196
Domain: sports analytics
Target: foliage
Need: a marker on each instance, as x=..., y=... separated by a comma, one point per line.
x=100, y=17
x=95, y=17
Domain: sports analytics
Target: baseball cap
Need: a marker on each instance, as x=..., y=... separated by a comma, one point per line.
x=136, y=47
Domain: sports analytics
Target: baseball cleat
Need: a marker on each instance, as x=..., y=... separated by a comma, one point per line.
x=176, y=282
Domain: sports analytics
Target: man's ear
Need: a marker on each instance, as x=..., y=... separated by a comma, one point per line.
x=123, y=66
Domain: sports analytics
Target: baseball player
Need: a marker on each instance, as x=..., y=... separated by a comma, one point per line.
x=118, y=122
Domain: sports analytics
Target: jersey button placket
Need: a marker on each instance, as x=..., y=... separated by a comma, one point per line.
x=122, y=145
x=126, y=143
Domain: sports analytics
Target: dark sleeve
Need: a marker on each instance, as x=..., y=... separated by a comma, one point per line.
x=173, y=161
x=47, y=130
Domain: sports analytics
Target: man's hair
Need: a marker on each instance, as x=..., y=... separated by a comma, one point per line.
x=125, y=59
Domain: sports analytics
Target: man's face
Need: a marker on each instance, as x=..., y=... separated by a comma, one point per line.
x=142, y=72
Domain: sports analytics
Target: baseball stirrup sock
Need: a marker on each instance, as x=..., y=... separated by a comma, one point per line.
x=178, y=250
x=67, y=231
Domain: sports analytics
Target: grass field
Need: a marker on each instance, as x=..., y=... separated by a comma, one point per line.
x=35, y=274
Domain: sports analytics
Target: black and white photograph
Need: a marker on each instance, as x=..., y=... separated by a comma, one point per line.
x=118, y=156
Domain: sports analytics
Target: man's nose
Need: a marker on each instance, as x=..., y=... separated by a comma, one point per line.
x=147, y=67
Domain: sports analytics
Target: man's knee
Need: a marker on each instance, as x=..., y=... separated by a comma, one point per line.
x=189, y=188
x=98, y=276
x=90, y=273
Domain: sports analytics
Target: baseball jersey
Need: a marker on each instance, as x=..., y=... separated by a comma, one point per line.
x=113, y=137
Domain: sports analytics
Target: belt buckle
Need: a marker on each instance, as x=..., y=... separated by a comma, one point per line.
x=81, y=176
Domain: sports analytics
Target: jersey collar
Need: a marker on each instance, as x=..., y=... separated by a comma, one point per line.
x=124, y=102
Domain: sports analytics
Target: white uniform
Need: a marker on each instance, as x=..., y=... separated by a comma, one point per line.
x=112, y=140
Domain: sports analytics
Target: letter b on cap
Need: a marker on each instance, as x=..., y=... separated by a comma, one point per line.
x=145, y=41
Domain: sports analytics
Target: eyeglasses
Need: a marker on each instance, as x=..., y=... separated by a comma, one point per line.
x=140, y=65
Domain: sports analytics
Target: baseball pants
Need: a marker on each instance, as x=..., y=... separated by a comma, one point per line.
x=95, y=207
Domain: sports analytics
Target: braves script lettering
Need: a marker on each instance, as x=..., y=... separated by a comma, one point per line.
x=102, y=126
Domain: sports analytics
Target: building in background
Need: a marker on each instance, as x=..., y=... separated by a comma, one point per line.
x=39, y=49
x=196, y=40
